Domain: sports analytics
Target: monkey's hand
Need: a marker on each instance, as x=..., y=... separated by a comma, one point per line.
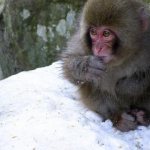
x=125, y=122
x=82, y=69
x=93, y=67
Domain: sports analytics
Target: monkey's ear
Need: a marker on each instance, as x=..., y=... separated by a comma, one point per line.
x=144, y=18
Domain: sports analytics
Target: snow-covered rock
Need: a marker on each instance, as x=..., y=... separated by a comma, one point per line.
x=40, y=110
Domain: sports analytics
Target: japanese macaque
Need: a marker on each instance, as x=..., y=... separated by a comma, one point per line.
x=108, y=58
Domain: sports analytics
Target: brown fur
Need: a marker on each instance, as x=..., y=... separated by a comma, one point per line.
x=123, y=85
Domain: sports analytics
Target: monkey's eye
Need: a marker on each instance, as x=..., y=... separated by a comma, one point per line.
x=93, y=31
x=106, y=33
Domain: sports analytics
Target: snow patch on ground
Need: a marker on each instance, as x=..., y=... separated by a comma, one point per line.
x=40, y=110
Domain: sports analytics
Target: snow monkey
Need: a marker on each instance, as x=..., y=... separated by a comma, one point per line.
x=108, y=58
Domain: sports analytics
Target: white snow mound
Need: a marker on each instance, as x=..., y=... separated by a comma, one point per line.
x=40, y=110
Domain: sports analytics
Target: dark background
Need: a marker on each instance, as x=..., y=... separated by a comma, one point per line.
x=33, y=32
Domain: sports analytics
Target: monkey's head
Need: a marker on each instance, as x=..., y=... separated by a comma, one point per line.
x=113, y=29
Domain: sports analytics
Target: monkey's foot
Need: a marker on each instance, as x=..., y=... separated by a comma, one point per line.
x=141, y=116
x=125, y=122
x=130, y=120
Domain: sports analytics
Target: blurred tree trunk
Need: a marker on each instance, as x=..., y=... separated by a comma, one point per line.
x=33, y=32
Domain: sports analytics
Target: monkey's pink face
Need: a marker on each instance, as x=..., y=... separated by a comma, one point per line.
x=103, y=40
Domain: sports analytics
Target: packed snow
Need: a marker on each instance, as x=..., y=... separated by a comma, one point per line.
x=40, y=110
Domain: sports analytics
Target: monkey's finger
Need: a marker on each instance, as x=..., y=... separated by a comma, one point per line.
x=96, y=63
x=128, y=117
x=95, y=72
x=126, y=125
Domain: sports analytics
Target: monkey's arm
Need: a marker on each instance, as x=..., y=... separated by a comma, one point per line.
x=79, y=63
x=79, y=69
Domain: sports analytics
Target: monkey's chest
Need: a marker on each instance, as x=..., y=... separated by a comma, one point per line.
x=132, y=87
